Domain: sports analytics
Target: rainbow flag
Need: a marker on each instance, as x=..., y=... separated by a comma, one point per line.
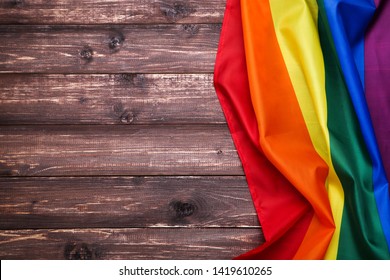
x=305, y=88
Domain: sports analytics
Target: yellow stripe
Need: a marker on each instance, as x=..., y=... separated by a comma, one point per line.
x=295, y=24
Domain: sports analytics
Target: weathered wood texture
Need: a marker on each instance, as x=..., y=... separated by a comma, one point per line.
x=110, y=12
x=185, y=48
x=113, y=144
x=117, y=150
x=149, y=243
x=108, y=99
x=125, y=202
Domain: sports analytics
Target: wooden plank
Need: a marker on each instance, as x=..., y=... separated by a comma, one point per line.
x=185, y=48
x=110, y=12
x=108, y=99
x=126, y=202
x=117, y=150
x=147, y=243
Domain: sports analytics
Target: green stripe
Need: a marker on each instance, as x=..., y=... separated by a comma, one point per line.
x=361, y=235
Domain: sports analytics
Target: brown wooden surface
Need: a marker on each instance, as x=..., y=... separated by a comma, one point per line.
x=132, y=202
x=182, y=48
x=108, y=99
x=113, y=144
x=110, y=11
x=117, y=150
x=135, y=243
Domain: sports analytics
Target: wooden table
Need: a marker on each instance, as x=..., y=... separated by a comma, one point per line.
x=113, y=144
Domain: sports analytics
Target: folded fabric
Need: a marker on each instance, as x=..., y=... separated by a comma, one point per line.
x=305, y=88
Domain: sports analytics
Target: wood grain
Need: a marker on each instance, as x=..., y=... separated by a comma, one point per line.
x=110, y=11
x=126, y=202
x=108, y=99
x=185, y=48
x=113, y=144
x=117, y=150
x=150, y=243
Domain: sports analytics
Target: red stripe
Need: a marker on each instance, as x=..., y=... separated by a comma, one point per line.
x=284, y=214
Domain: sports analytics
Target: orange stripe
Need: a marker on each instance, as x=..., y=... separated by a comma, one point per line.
x=284, y=137
x=316, y=241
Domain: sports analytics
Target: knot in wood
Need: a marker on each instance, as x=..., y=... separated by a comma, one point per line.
x=191, y=29
x=86, y=53
x=83, y=100
x=115, y=42
x=219, y=152
x=176, y=11
x=127, y=117
x=17, y=3
x=183, y=209
x=124, y=115
x=77, y=251
x=137, y=80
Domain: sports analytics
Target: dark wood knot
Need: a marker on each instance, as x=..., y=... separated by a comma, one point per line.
x=182, y=209
x=16, y=3
x=176, y=11
x=219, y=152
x=190, y=29
x=77, y=251
x=83, y=100
x=127, y=117
x=116, y=41
x=136, y=80
x=86, y=53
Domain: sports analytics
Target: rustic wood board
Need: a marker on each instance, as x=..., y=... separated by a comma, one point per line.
x=108, y=99
x=113, y=144
x=178, y=48
x=82, y=202
x=110, y=12
x=117, y=150
x=147, y=243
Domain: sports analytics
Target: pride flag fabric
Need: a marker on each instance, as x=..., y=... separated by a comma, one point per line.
x=305, y=88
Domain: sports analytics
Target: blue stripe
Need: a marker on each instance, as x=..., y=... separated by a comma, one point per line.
x=348, y=20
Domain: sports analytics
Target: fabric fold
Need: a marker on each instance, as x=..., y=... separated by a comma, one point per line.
x=290, y=77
